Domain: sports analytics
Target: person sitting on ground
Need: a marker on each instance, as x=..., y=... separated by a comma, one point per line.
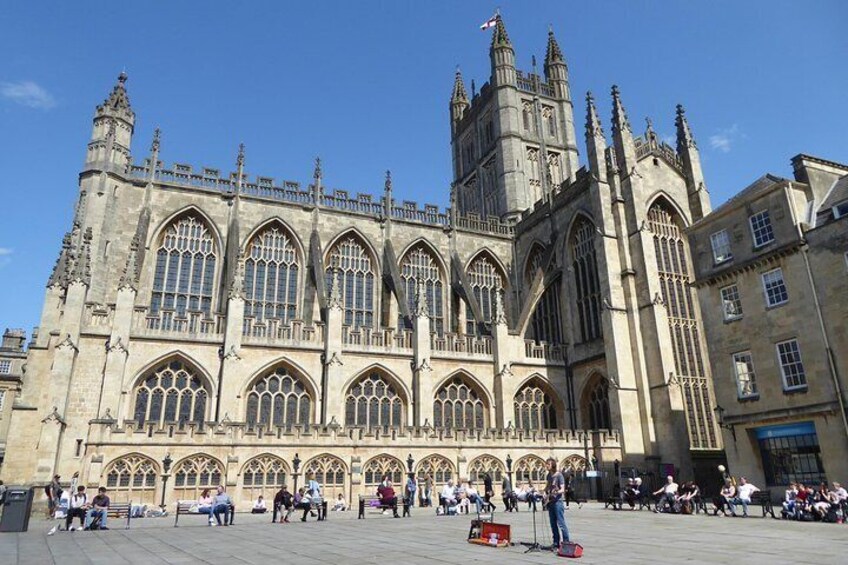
x=340, y=505
x=689, y=494
x=206, y=504
x=99, y=509
x=724, y=501
x=77, y=507
x=448, y=495
x=789, y=498
x=304, y=503
x=259, y=506
x=223, y=504
x=743, y=495
x=388, y=498
x=667, y=495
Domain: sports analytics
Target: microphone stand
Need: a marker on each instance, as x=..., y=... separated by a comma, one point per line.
x=534, y=546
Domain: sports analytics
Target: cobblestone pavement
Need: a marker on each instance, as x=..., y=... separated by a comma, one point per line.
x=608, y=537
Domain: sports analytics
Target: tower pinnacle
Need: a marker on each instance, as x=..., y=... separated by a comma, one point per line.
x=499, y=37
x=553, y=53
x=619, y=116
x=685, y=138
x=459, y=96
x=593, y=122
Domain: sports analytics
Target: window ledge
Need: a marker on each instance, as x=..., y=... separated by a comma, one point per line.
x=764, y=245
x=778, y=305
x=722, y=262
x=748, y=398
x=733, y=319
x=795, y=390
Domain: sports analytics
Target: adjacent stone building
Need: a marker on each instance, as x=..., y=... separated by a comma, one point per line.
x=203, y=328
x=12, y=361
x=772, y=278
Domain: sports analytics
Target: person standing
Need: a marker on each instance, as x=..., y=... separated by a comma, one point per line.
x=409, y=491
x=508, y=495
x=54, y=495
x=488, y=491
x=555, y=490
x=428, y=490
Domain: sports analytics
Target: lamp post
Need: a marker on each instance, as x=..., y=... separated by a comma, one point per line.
x=296, y=468
x=166, y=470
x=410, y=462
x=719, y=411
x=509, y=469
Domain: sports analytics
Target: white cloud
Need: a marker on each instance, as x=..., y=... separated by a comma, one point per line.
x=5, y=258
x=27, y=93
x=5, y=251
x=725, y=139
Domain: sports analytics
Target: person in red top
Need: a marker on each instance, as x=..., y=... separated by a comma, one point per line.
x=388, y=497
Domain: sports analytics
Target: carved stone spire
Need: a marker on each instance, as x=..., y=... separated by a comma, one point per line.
x=129, y=279
x=499, y=36
x=459, y=96
x=593, y=122
x=81, y=271
x=553, y=53
x=454, y=213
x=59, y=275
x=240, y=167
x=685, y=139
x=154, y=154
x=619, y=116
x=317, y=179
x=421, y=308
x=336, y=291
x=117, y=101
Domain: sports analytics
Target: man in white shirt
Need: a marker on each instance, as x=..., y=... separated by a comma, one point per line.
x=78, y=506
x=667, y=494
x=840, y=492
x=743, y=494
x=448, y=494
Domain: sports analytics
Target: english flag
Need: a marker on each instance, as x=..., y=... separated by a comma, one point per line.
x=489, y=23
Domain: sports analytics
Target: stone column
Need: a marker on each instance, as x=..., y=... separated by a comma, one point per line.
x=501, y=356
x=116, y=356
x=333, y=374
x=422, y=379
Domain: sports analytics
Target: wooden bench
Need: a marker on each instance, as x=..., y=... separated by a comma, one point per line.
x=366, y=500
x=762, y=498
x=320, y=507
x=185, y=508
x=120, y=510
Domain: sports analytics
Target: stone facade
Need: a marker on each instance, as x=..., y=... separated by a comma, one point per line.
x=12, y=365
x=771, y=266
x=238, y=325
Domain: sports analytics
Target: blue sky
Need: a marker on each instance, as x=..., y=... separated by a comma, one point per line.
x=365, y=85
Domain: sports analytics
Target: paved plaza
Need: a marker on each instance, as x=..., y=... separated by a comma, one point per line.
x=608, y=537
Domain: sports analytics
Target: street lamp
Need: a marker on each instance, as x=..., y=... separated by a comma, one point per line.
x=296, y=467
x=166, y=469
x=719, y=411
x=410, y=462
x=509, y=469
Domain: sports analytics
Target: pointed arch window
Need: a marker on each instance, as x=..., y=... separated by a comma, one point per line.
x=485, y=279
x=193, y=475
x=185, y=268
x=280, y=398
x=585, y=269
x=672, y=260
x=263, y=475
x=546, y=322
x=330, y=472
x=478, y=468
x=383, y=466
x=534, y=262
x=271, y=271
x=531, y=468
x=356, y=277
x=374, y=401
x=596, y=408
x=172, y=392
x=419, y=264
x=458, y=405
x=534, y=408
x=132, y=477
x=438, y=468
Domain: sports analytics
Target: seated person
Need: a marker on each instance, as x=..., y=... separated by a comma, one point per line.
x=724, y=501
x=473, y=496
x=743, y=495
x=667, y=495
x=689, y=493
x=629, y=494
x=99, y=509
x=448, y=494
x=259, y=506
x=789, y=497
x=223, y=505
x=77, y=507
x=340, y=505
x=282, y=504
x=206, y=504
x=821, y=501
x=521, y=493
x=388, y=497
x=303, y=501
x=841, y=493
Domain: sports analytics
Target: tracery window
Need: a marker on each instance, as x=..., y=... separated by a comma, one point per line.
x=439, y=468
x=597, y=410
x=554, y=170
x=271, y=276
x=172, y=392
x=419, y=264
x=574, y=463
x=132, y=478
x=185, y=269
x=585, y=268
x=373, y=401
x=671, y=251
x=546, y=322
x=383, y=466
x=527, y=116
x=486, y=464
x=534, y=408
x=531, y=468
x=280, y=398
x=534, y=262
x=263, y=475
x=486, y=280
x=330, y=472
x=458, y=405
x=196, y=473
x=356, y=277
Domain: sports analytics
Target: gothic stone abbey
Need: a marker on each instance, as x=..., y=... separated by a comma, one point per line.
x=233, y=325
